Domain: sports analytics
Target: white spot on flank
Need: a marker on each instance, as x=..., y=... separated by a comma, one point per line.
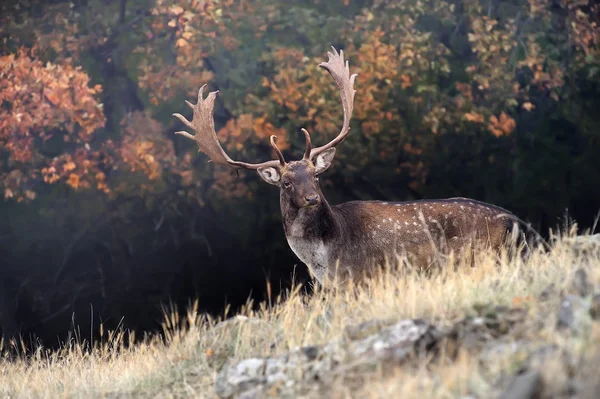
x=462, y=207
x=415, y=223
x=406, y=223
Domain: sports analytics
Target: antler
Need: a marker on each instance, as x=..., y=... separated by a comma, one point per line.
x=340, y=71
x=203, y=125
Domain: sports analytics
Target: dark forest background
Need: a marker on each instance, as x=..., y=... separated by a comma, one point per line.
x=106, y=216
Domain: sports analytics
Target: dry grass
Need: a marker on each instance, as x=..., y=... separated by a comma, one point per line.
x=189, y=363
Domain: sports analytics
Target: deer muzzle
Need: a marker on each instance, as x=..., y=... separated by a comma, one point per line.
x=312, y=199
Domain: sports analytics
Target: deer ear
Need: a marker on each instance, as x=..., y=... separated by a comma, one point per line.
x=270, y=174
x=323, y=160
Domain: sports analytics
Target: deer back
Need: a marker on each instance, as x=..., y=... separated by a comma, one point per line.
x=376, y=231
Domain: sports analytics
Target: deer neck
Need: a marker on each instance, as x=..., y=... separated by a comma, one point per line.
x=315, y=223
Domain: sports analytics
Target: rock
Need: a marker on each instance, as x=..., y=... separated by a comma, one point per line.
x=595, y=307
x=488, y=323
x=572, y=313
x=547, y=292
x=379, y=342
x=245, y=375
x=367, y=328
x=527, y=385
x=580, y=283
x=534, y=353
x=288, y=373
x=587, y=245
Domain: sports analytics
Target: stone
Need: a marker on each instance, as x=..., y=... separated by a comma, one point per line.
x=367, y=328
x=312, y=370
x=595, y=307
x=585, y=245
x=527, y=385
x=547, y=293
x=240, y=377
x=580, y=284
x=288, y=373
x=572, y=313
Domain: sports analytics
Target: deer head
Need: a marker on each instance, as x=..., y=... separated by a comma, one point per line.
x=298, y=180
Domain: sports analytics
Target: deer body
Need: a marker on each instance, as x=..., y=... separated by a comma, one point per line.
x=349, y=240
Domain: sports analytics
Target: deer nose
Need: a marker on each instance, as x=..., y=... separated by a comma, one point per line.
x=312, y=199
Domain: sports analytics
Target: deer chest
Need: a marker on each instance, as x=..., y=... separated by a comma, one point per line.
x=313, y=253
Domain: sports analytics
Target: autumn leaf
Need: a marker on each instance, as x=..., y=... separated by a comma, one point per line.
x=69, y=166
x=73, y=180
x=176, y=10
x=405, y=81
x=501, y=126
x=528, y=106
x=474, y=117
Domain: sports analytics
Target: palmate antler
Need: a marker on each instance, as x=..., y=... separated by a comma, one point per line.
x=203, y=123
x=340, y=72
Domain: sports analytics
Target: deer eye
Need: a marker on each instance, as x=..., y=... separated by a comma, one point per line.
x=287, y=184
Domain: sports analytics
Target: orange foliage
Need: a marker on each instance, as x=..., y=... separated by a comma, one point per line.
x=193, y=29
x=474, y=117
x=145, y=147
x=400, y=66
x=501, y=126
x=41, y=101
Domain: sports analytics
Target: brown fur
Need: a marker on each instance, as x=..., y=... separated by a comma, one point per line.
x=353, y=237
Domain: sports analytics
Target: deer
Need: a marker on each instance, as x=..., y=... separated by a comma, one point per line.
x=350, y=240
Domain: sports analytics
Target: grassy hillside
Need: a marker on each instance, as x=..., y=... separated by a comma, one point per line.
x=551, y=298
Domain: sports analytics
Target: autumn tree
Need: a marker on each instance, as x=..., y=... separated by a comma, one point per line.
x=45, y=107
x=428, y=69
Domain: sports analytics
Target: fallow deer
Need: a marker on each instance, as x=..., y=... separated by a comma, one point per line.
x=349, y=240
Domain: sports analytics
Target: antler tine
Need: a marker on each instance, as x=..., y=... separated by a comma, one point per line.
x=277, y=150
x=340, y=71
x=203, y=125
x=308, y=144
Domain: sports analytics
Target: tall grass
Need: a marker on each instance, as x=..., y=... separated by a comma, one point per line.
x=197, y=347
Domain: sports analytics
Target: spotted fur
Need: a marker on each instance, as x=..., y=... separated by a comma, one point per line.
x=349, y=240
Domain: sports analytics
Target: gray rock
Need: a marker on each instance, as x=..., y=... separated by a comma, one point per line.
x=586, y=245
x=367, y=328
x=580, y=283
x=547, y=293
x=573, y=313
x=284, y=373
x=595, y=307
x=527, y=385
x=240, y=377
x=311, y=370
